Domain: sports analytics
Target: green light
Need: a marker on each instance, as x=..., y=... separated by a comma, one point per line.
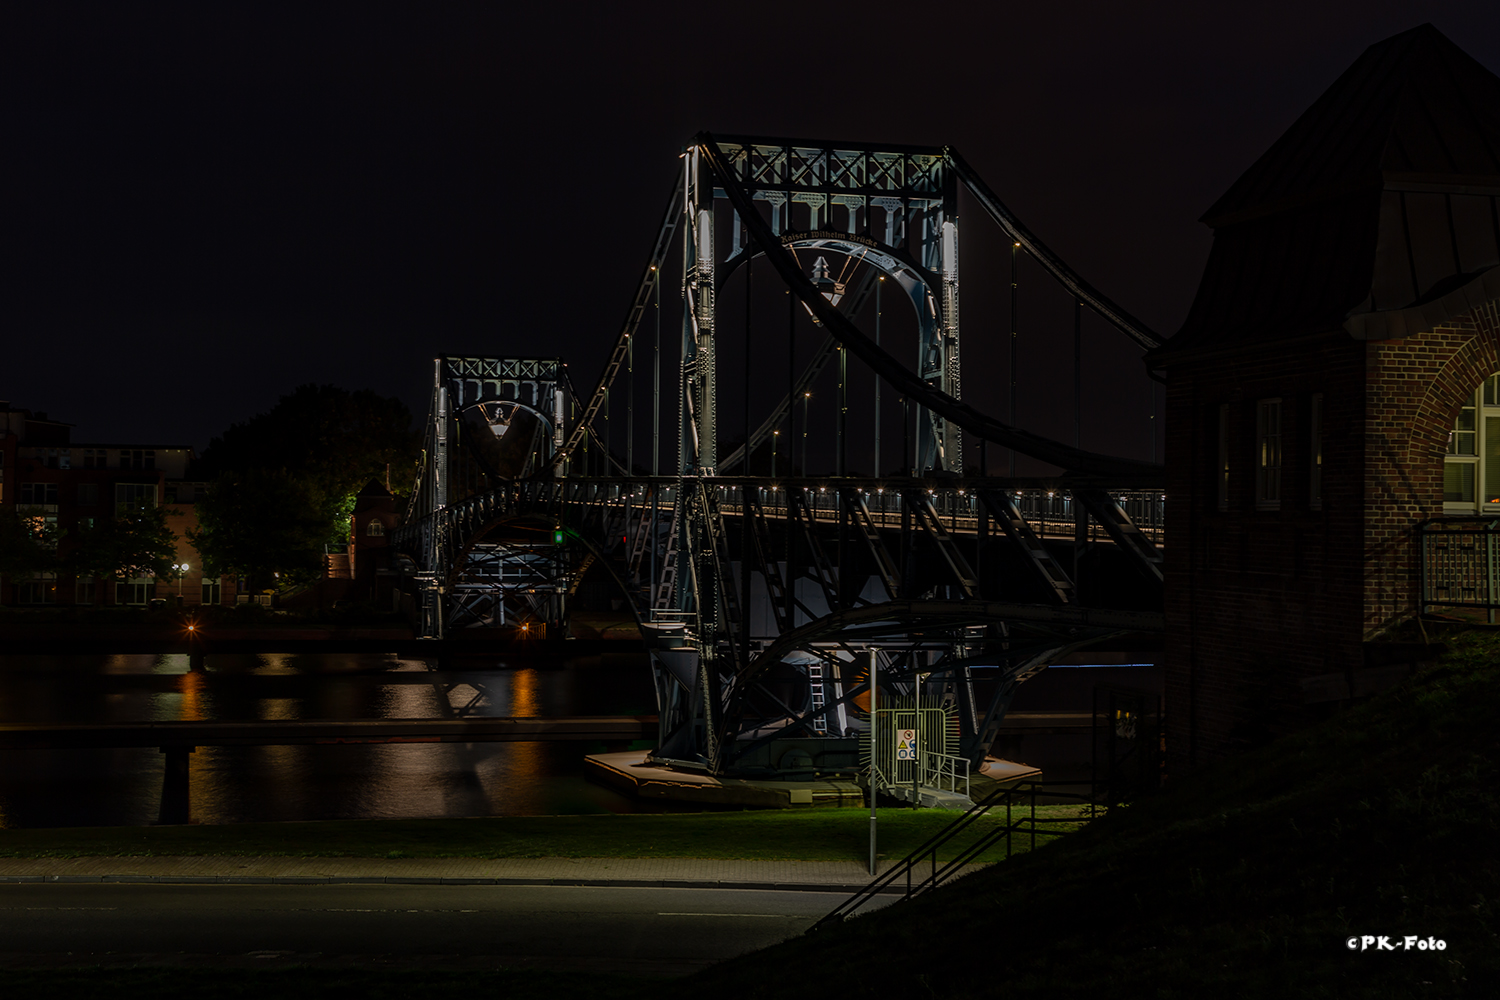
x=557, y=537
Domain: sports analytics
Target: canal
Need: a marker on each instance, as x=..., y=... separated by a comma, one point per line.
x=122, y=787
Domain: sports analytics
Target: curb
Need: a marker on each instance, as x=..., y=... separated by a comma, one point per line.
x=381, y=880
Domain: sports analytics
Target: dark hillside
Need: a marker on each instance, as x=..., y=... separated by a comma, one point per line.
x=1247, y=879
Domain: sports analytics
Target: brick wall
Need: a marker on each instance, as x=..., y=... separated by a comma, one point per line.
x=1415, y=387
x=1257, y=600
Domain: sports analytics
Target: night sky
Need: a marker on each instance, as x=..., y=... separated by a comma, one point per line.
x=205, y=209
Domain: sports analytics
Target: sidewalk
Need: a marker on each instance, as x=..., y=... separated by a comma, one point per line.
x=686, y=873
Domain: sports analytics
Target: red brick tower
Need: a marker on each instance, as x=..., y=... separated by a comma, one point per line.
x=1347, y=313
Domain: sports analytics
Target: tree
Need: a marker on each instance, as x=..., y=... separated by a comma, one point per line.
x=28, y=542
x=136, y=542
x=284, y=482
x=261, y=523
x=335, y=438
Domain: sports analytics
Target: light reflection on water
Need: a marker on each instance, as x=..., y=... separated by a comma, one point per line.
x=43, y=788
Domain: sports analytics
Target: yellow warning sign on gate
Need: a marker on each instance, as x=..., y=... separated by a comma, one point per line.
x=906, y=744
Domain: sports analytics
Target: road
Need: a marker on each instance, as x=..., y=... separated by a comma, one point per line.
x=649, y=931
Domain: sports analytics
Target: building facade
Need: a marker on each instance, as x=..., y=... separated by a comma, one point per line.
x=46, y=475
x=1333, y=387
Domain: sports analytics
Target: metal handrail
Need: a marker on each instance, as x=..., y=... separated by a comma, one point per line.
x=1446, y=568
x=928, y=849
x=945, y=771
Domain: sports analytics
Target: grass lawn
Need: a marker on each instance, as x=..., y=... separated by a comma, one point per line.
x=801, y=835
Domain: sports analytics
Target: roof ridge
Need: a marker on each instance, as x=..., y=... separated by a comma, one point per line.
x=1411, y=102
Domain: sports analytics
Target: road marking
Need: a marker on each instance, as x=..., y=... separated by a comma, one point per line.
x=353, y=909
x=781, y=916
x=64, y=907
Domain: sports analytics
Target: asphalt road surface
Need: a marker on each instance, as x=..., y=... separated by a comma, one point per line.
x=624, y=929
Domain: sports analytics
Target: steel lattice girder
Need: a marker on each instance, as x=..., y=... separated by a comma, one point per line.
x=894, y=372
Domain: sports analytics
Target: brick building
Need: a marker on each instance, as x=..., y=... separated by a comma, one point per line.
x=1330, y=389
x=48, y=475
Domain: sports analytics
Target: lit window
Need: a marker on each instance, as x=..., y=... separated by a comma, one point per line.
x=1461, y=468
x=375, y=529
x=1268, y=453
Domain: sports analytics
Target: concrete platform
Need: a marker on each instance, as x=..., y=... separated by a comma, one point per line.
x=991, y=774
x=630, y=773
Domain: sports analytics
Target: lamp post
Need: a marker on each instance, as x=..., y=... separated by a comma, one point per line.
x=181, y=569
x=775, y=443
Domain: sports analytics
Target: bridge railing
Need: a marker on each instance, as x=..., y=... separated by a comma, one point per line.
x=1050, y=512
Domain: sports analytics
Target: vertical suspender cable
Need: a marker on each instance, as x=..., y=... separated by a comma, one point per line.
x=791, y=380
x=630, y=406
x=879, y=285
x=749, y=286
x=745, y=541
x=656, y=387
x=1015, y=249
x=1077, y=373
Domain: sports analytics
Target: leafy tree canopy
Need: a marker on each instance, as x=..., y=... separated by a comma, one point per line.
x=334, y=438
x=136, y=542
x=28, y=542
x=263, y=522
x=284, y=481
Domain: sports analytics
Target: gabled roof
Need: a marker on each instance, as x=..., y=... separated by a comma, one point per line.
x=1415, y=105
x=1377, y=213
x=374, y=489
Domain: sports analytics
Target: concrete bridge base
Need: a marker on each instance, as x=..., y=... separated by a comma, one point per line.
x=630, y=773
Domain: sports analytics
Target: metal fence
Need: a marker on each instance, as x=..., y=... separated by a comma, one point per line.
x=945, y=771
x=1458, y=560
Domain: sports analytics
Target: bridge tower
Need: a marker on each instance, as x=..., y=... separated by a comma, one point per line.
x=509, y=413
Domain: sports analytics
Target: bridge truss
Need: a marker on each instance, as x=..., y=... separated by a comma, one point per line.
x=766, y=600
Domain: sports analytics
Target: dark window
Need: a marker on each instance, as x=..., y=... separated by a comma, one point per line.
x=40, y=589
x=1222, y=469
x=38, y=493
x=130, y=496
x=1315, y=463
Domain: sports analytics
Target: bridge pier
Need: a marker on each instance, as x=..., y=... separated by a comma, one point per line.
x=174, y=787
x=197, y=659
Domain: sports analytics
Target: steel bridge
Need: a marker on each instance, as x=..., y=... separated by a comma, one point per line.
x=769, y=602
